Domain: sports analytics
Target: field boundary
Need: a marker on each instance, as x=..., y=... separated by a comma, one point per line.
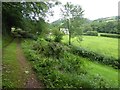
x=110, y=61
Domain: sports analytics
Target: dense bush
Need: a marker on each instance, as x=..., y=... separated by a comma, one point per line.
x=48, y=49
x=23, y=34
x=58, y=38
x=48, y=39
x=92, y=33
x=58, y=35
x=96, y=57
x=110, y=35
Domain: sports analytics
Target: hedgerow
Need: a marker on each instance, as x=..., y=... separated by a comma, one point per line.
x=110, y=35
x=95, y=56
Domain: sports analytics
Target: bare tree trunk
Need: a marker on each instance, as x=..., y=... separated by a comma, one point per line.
x=68, y=23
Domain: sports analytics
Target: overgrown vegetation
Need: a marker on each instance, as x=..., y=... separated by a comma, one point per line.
x=57, y=67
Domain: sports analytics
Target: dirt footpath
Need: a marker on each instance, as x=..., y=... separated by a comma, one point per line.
x=31, y=80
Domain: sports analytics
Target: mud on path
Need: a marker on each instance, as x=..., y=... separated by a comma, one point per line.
x=30, y=79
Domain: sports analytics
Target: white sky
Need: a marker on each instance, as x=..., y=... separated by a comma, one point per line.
x=94, y=9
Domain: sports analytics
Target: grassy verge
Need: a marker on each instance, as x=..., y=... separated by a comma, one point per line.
x=12, y=74
x=71, y=71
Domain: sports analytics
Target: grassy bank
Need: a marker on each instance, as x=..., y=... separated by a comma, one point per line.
x=108, y=74
x=70, y=71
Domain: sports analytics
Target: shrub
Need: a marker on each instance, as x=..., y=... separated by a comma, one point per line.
x=95, y=56
x=58, y=38
x=110, y=35
x=58, y=35
x=92, y=33
x=48, y=49
x=48, y=39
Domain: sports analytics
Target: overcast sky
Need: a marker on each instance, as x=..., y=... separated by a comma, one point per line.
x=93, y=9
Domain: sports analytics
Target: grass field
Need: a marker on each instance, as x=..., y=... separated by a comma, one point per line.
x=109, y=74
x=101, y=45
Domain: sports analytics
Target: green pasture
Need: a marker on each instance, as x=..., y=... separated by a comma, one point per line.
x=101, y=45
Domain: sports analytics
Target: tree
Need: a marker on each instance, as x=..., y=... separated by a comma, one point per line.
x=73, y=15
x=11, y=15
x=22, y=14
x=87, y=27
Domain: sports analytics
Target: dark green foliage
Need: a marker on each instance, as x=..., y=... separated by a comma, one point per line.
x=28, y=16
x=48, y=39
x=19, y=33
x=57, y=34
x=96, y=57
x=110, y=35
x=58, y=38
x=92, y=33
x=11, y=15
x=48, y=49
x=87, y=27
x=108, y=25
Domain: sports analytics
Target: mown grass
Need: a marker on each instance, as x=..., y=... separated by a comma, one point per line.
x=101, y=45
x=97, y=75
x=12, y=76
